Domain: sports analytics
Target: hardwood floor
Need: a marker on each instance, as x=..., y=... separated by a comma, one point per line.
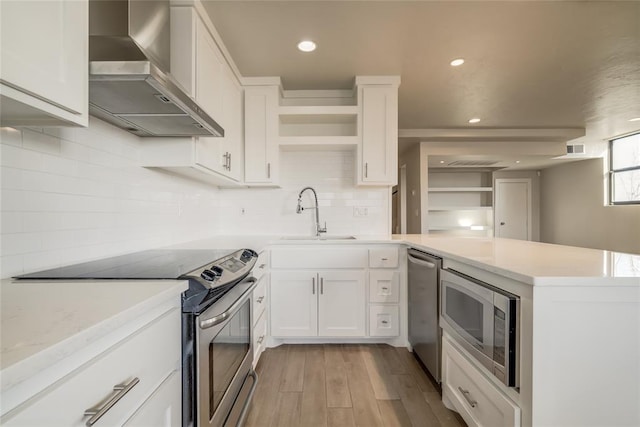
x=345, y=385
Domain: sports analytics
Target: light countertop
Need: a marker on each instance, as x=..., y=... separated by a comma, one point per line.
x=533, y=263
x=43, y=322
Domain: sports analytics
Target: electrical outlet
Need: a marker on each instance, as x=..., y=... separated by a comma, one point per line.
x=360, y=212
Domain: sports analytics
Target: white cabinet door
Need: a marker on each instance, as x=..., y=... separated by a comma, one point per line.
x=209, y=69
x=231, y=144
x=44, y=60
x=378, y=165
x=341, y=304
x=294, y=309
x=260, y=134
x=163, y=408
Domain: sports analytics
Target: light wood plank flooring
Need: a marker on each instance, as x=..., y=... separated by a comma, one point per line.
x=345, y=385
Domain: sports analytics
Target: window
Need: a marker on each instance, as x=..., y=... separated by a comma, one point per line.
x=624, y=170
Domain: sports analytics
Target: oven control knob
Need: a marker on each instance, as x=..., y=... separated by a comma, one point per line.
x=247, y=254
x=212, y=274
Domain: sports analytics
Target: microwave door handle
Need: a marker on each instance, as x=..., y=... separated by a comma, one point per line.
x=421, y=262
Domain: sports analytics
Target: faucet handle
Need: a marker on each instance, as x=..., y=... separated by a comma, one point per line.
x=323, y=230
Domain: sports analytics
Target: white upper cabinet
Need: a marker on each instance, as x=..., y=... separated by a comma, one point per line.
x=44, y=55
x=200, y=67
x=260, y=135
x=378, y=152
x=209, y=72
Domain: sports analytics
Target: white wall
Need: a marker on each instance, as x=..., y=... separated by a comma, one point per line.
x=535, y=195
x=332, y=175
x=74, y=194
x=573, y=210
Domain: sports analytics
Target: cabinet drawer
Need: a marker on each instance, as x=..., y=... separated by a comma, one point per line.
x=383, y=257
x=259, y=302
x=477, y=399
x=262, y=265
x=298, y=258
x=259, y=337
x=150, y=355
x=384, y=286
x=384, y=321
x=163, y=408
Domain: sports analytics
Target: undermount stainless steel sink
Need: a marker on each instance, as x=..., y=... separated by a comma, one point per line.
x=329, y=237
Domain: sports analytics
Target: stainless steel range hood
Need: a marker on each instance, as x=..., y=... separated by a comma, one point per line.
x=129, y=81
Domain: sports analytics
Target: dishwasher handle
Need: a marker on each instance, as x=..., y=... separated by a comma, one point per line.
x=419, y=261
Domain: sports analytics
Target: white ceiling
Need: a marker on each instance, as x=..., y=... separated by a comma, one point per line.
x=528, y=64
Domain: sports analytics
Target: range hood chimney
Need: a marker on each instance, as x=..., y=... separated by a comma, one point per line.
x=129, y=81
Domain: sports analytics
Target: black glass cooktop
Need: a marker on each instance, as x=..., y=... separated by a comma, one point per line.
x=152, y=264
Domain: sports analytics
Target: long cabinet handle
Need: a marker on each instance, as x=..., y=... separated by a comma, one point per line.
x=466, y=394
x=119, y=390
x=322, y=286
x=268, y=170
x=229, y=161
x=313, y=285
x=366, y=170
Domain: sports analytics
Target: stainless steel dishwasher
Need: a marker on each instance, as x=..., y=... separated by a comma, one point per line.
x=425, y=334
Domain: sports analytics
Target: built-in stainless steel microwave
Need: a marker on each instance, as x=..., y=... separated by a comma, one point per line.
x=485, y=321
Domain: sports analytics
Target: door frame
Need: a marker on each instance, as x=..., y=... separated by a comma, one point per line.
x=496, y=197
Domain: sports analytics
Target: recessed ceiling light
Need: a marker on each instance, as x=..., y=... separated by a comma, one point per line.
x=457, y=62
x=307, y=46
x=635, y=119
x=441, y=161
x=474, y=120
x=517, y=161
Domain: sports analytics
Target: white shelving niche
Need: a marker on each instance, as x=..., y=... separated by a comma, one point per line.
x=318, y=119
x=460, y=201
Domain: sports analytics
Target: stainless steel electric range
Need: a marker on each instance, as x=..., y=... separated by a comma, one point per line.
x=217, y=375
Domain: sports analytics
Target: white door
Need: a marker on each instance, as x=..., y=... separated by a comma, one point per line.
x=341, y=304
x=294, y=304
x=513, y=209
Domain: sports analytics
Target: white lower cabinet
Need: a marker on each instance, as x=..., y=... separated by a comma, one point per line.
x=134, y=372
x=384, y=320
x=163, y=408
x=478, y=400
x=259, y=311
x=311, y=303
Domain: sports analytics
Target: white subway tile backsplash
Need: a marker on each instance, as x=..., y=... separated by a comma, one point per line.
x=72, y=194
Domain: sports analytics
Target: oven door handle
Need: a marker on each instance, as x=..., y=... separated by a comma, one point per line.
x=216, y=320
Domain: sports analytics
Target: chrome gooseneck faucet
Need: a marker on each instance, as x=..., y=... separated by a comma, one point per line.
x=299, y=209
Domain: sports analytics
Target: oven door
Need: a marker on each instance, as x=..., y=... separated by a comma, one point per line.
x=224, y=357
x=468, y=313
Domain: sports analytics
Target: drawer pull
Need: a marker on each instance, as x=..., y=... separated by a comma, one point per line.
x=262, y=265
x=119, y=390
x=384, y=259
x=384, y=288
x=259, y=300
x=466, y=394
x=384, y=322
x=261, y=339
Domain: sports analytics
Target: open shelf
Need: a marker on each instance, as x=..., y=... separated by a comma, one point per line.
x=318, y=142
x=460, y=208
x=459, y=189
